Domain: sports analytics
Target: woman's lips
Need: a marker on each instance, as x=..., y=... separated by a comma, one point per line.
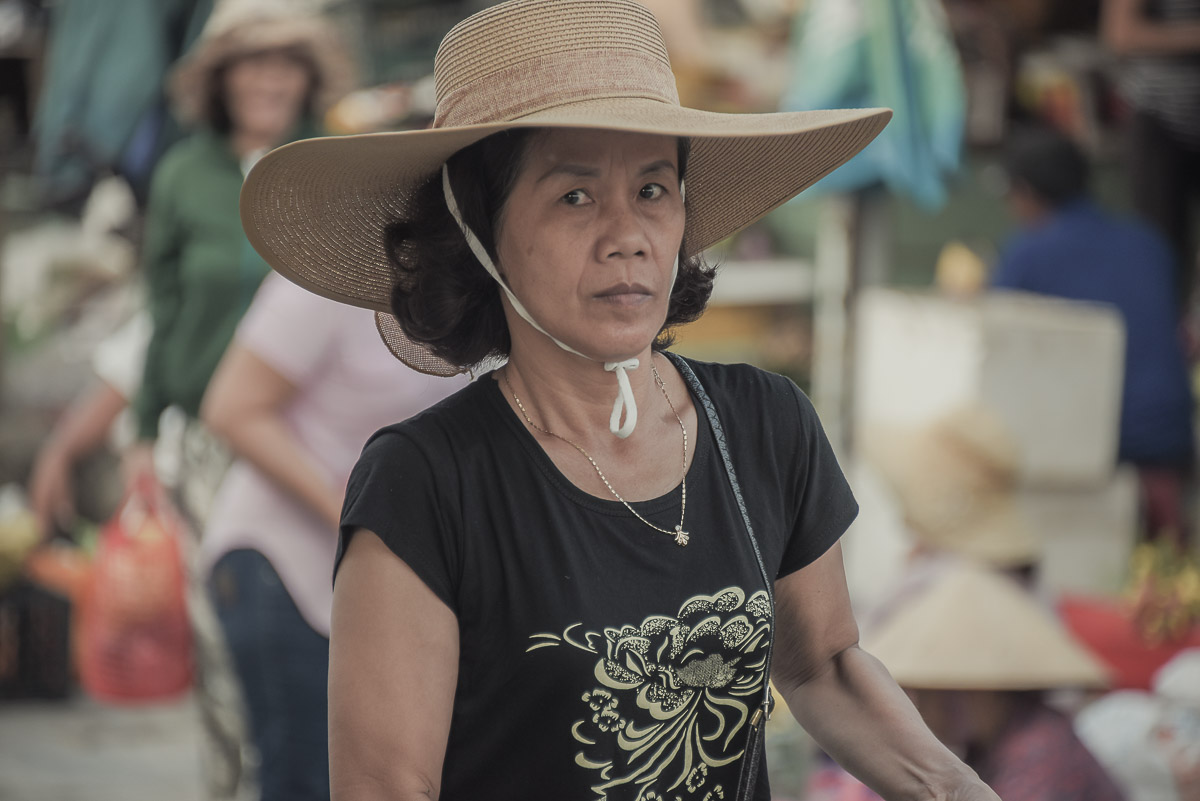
x=625, y=293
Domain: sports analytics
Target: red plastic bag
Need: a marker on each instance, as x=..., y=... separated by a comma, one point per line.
x=134, y=636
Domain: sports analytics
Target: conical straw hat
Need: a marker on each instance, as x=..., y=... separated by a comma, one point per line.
x=954, y=480
x=973, y=629
x=316, y=210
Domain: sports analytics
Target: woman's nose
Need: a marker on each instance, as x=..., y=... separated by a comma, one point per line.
x=624, y=233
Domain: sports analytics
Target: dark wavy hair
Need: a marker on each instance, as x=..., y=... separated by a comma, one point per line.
x=444, y=299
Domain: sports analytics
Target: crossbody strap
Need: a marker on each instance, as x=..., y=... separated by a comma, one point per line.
x=714, y=422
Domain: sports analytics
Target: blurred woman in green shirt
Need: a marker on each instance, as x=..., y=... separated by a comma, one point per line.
x=259, y=76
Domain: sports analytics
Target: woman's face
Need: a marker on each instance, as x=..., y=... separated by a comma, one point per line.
x=265, y=93
x=588, y=237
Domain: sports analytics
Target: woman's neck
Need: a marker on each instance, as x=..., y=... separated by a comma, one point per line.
x=244, y=142
x=573, y=396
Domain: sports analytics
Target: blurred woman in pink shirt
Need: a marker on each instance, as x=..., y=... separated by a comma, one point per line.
x=305, y=382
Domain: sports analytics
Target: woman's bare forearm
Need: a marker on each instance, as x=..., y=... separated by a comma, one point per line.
x=857, y=714
x=265, y=441
x=244, y=404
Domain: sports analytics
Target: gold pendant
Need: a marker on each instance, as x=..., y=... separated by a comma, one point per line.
x=681, y=536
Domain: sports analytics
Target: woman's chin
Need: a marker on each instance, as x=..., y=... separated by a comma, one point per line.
x=617, y=345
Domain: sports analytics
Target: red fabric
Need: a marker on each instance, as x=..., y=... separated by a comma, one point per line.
x=1106, y=628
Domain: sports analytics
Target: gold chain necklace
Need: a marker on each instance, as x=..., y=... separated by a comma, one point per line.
x=681, y=536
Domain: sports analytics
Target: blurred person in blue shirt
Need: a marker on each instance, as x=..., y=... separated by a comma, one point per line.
x=1069, y=247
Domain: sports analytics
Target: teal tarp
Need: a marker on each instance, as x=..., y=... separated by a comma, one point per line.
x=894, y=53
x=106, y=65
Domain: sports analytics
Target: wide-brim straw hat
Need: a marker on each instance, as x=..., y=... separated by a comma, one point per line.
x=316, y=209
x=954, y=480
x=973, y=629
x=243, y=27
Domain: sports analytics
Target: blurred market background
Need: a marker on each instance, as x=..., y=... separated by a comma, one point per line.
x=872, y=291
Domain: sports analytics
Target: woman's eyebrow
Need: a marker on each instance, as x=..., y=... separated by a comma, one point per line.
x=584, y=171
x=573, y=170
x=662, y=165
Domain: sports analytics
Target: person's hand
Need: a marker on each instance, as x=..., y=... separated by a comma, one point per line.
x=52, y=489
x=1185, y=769
x=137, y=464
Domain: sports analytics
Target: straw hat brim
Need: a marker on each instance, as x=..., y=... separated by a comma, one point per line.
x=316, y=209
x=972, y=629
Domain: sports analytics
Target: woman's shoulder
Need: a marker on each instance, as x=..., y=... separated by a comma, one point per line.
x=192, y=155
x=756, y=404
x=447, y=429
x=745, y=385
x=288, y=309
x=194, y=149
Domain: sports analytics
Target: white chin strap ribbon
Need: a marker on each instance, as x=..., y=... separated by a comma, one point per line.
x=625, y=403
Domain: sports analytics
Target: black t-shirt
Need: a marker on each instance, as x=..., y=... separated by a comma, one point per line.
x=598, y=658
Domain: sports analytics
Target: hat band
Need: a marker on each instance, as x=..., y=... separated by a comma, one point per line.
x=553, y=80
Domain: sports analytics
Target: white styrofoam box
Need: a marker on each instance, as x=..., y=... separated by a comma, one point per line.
x=1087, y=535
x=1050, y=369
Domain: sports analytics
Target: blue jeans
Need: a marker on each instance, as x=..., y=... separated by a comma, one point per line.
x=283, y=666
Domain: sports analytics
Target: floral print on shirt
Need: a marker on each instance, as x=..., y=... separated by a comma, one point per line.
x=673, y=696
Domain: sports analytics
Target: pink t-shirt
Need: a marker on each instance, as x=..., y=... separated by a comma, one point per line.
x=347, y=387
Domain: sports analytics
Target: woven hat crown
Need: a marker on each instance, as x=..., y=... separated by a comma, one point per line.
x=526, y=56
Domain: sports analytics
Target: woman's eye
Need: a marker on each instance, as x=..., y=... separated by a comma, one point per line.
x=652, y=191
x=576, y=197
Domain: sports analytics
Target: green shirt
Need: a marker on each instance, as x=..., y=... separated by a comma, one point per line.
x=200, y=270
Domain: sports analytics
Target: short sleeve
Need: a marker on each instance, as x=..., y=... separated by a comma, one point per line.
x=823, y=501
x=394, y=492
x=290, y=328
x=120, y=358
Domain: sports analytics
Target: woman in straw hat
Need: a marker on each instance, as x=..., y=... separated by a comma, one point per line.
x=259, y=75
x=975, y=651
x=954, y=480
x=543, y=592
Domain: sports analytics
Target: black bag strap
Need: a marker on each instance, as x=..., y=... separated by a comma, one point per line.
x=714, y=421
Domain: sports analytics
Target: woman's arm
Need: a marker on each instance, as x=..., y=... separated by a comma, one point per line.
x=244, y=405
x=1126, y=30
x=848, y=702
x=393, y=667
x=79, y=432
